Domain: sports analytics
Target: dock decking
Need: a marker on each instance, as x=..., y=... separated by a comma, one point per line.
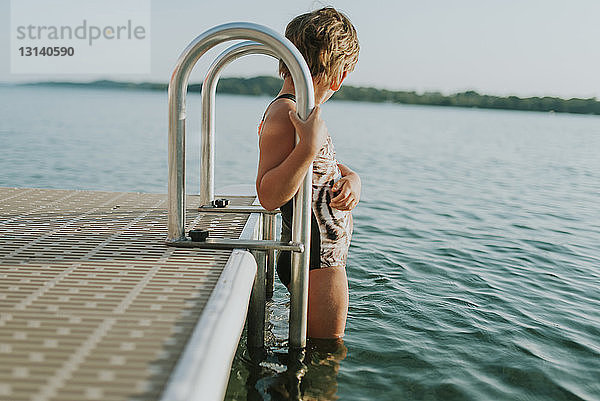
x=93, y=305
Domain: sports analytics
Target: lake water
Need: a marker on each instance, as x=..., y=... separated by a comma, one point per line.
x=474, y=269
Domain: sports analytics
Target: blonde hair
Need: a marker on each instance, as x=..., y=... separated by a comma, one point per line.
x=327, y=40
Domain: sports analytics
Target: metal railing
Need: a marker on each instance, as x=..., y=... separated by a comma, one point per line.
x=207, y=152
x=266, y=41
x=209, y=90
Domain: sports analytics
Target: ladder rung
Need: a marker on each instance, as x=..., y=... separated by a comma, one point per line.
x=237, y=209
x=230, y=243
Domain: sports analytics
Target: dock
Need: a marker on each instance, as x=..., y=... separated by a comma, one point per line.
x=103, y=296
x=95, y=306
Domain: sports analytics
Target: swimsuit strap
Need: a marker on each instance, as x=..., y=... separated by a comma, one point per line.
x=289, y=96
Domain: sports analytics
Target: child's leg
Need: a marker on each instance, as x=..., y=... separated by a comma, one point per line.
x=327, y=302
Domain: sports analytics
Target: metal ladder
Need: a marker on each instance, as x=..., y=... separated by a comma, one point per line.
x=261, y=40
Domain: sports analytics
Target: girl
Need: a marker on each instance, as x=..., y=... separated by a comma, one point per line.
x=329, y=44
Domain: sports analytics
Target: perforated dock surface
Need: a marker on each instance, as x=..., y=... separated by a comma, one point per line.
x=93, y=305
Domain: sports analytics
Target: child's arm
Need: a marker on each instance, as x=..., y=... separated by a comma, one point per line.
x=349, y=187
x=282, y=166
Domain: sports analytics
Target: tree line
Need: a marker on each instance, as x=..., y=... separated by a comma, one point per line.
x=269, y=86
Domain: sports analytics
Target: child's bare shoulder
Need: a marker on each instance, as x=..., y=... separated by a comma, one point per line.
x=277, y=119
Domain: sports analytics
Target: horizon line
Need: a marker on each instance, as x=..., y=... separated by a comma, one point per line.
x=448, y=94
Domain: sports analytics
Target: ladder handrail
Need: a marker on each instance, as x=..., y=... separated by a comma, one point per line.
x=209, y=89
x=281, y=48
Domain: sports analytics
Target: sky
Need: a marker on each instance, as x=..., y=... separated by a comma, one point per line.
x=500, y=47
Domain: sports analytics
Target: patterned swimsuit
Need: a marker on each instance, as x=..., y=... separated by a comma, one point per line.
x=331, y=229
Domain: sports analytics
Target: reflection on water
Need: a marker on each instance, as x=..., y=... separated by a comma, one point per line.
x=306, y=375
x=273, y=373
x=323, y=359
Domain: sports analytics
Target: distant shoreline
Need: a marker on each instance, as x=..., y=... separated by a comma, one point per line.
x=270, y=86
